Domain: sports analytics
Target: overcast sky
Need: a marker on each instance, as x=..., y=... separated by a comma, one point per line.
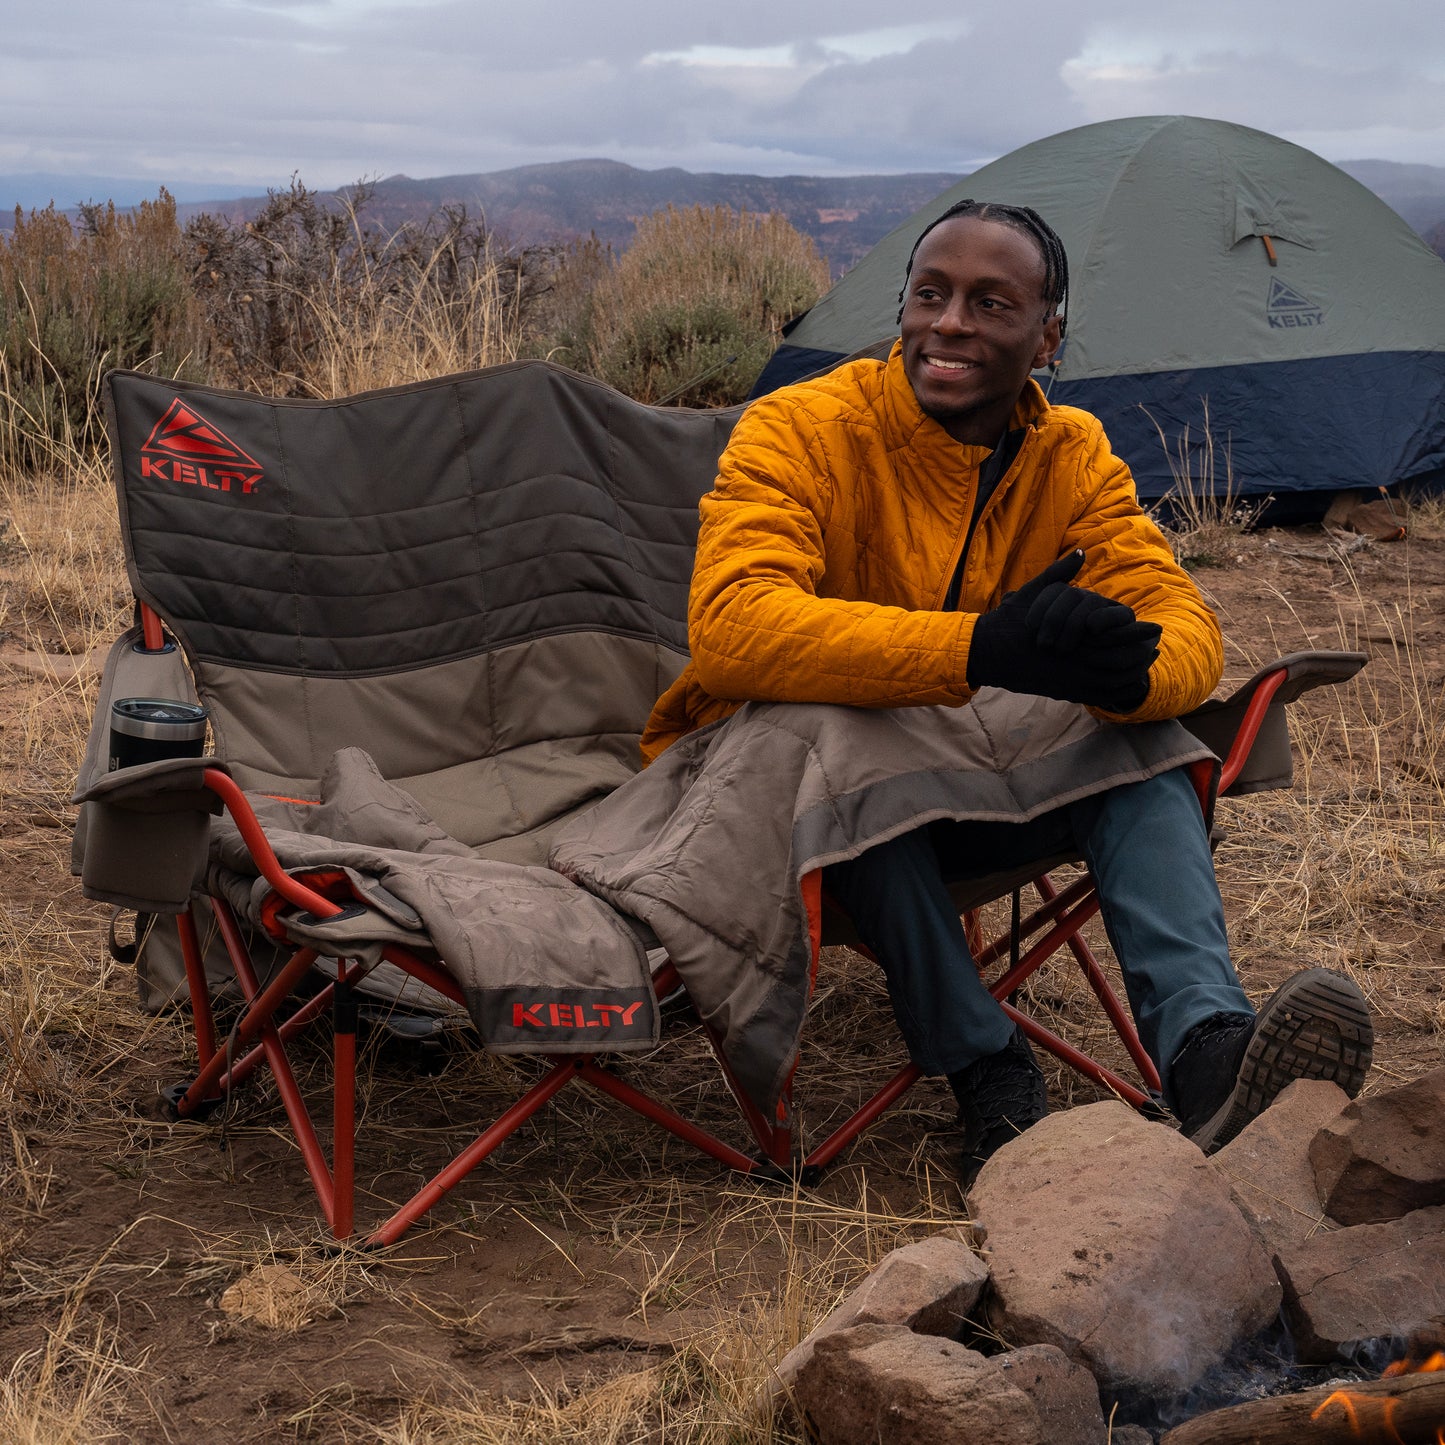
x=247, y=92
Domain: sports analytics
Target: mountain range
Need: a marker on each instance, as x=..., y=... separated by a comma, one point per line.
x=845, y=215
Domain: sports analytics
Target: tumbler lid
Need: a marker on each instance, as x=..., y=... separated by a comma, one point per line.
x=163, y=718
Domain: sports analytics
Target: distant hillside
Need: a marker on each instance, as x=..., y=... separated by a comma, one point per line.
x=34, y=190
x=1416, y=192
x=845, y=215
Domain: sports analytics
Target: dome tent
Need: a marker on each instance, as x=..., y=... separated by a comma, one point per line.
x=1240, y=310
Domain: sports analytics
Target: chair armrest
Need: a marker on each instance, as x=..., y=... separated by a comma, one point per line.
x=1248, y=730
x=262, y=854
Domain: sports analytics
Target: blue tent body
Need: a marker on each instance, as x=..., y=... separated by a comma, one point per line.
x=1244, y=317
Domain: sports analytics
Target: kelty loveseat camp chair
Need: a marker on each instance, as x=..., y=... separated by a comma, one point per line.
x=428, y=625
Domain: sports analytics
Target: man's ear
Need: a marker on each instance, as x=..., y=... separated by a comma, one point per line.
x=1050, y=342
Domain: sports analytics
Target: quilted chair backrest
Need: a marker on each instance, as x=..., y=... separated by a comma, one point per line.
x=479, y=580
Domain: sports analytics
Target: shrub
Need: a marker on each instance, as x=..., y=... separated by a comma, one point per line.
x=694, y=307
x=310, y=300
x=75, y=301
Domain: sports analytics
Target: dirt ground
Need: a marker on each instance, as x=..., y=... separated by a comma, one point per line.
x=596, y=1280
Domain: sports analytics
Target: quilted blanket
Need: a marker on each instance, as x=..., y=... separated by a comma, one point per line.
x=709, y=846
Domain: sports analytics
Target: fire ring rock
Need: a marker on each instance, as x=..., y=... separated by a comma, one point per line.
x=1384, y=1156
x=1361, y=1283
x=1114, y=1239
x=871, y=1383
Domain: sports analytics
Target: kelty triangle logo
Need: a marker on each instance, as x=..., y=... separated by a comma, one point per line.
x=184, y=447
x=182, y=433
x=1286, y=308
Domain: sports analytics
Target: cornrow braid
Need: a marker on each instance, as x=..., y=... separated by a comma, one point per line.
x=1021, y=218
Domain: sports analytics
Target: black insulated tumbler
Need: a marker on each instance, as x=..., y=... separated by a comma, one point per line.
x=147, y=729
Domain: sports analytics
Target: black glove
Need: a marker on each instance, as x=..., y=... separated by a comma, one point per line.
x=1054, y=640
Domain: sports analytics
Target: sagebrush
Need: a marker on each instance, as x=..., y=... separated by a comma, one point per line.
x=309, y=298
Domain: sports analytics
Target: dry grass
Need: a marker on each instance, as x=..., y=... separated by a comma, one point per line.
x=446, y=317
x=76, y=1390
x=1202, y=515
x=61, y=559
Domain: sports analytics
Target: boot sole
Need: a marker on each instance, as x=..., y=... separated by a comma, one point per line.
x=1316, y=1025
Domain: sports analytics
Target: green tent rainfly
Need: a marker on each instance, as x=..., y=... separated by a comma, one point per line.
x=1242, y=312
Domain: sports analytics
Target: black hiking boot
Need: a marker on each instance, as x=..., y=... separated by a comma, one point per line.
x=1316, y=1025
x=999, y=1097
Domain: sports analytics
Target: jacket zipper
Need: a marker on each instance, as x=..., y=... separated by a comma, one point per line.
x=955, y=573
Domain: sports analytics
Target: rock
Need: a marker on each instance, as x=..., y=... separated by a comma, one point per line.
x=273, y=1296
x=1384, y=1156
x=1063, y=1393
x=928, y=1286
x=1130, y=1435
x=883, y=1382
x=1364, y=1282
x=1268, y=1164
x=1116, y=1240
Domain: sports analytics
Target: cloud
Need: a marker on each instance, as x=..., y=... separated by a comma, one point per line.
x=252, y=90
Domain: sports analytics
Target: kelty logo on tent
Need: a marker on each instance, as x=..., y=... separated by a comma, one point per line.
x=184, y=447
x=1286, y=307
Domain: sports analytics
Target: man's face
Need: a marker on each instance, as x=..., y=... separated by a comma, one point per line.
x=973, y=325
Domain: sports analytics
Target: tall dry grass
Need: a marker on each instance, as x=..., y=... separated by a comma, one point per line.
x=307, y=300
x=1203, y=513
x=76, y=1389
x=381, y=335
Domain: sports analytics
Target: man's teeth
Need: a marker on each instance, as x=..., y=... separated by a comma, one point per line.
x=948, y=365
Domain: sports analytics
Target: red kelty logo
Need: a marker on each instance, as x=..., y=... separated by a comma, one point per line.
x=183, y=447
x=573, y=1015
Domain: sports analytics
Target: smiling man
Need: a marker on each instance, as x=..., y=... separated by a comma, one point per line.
x=903, y=533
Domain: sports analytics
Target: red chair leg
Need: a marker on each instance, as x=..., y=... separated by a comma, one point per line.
x=247, y=1065
x=1079, y=1061
x=260, y=1023
x=343, y=1112
x=873, y=1110
x=1118, y=1014
x=556, y=1078
x=254, y=1021
x=202, y=1018
x=649, y=1108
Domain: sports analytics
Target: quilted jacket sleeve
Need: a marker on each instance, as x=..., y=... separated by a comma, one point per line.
x=757, y=627
x=1128, y=558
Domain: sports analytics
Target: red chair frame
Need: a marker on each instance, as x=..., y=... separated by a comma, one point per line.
x=258, y=1039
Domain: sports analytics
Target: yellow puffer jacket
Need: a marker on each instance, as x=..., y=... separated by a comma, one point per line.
x=829, y=541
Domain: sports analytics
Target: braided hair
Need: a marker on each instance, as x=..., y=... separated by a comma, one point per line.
x=1021, y=218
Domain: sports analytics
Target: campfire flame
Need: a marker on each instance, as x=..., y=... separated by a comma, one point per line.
x=1373, y=1418
x=1410, y=1367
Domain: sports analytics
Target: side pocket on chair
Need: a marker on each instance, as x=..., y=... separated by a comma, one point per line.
x=147, y=835
x=127, y=853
